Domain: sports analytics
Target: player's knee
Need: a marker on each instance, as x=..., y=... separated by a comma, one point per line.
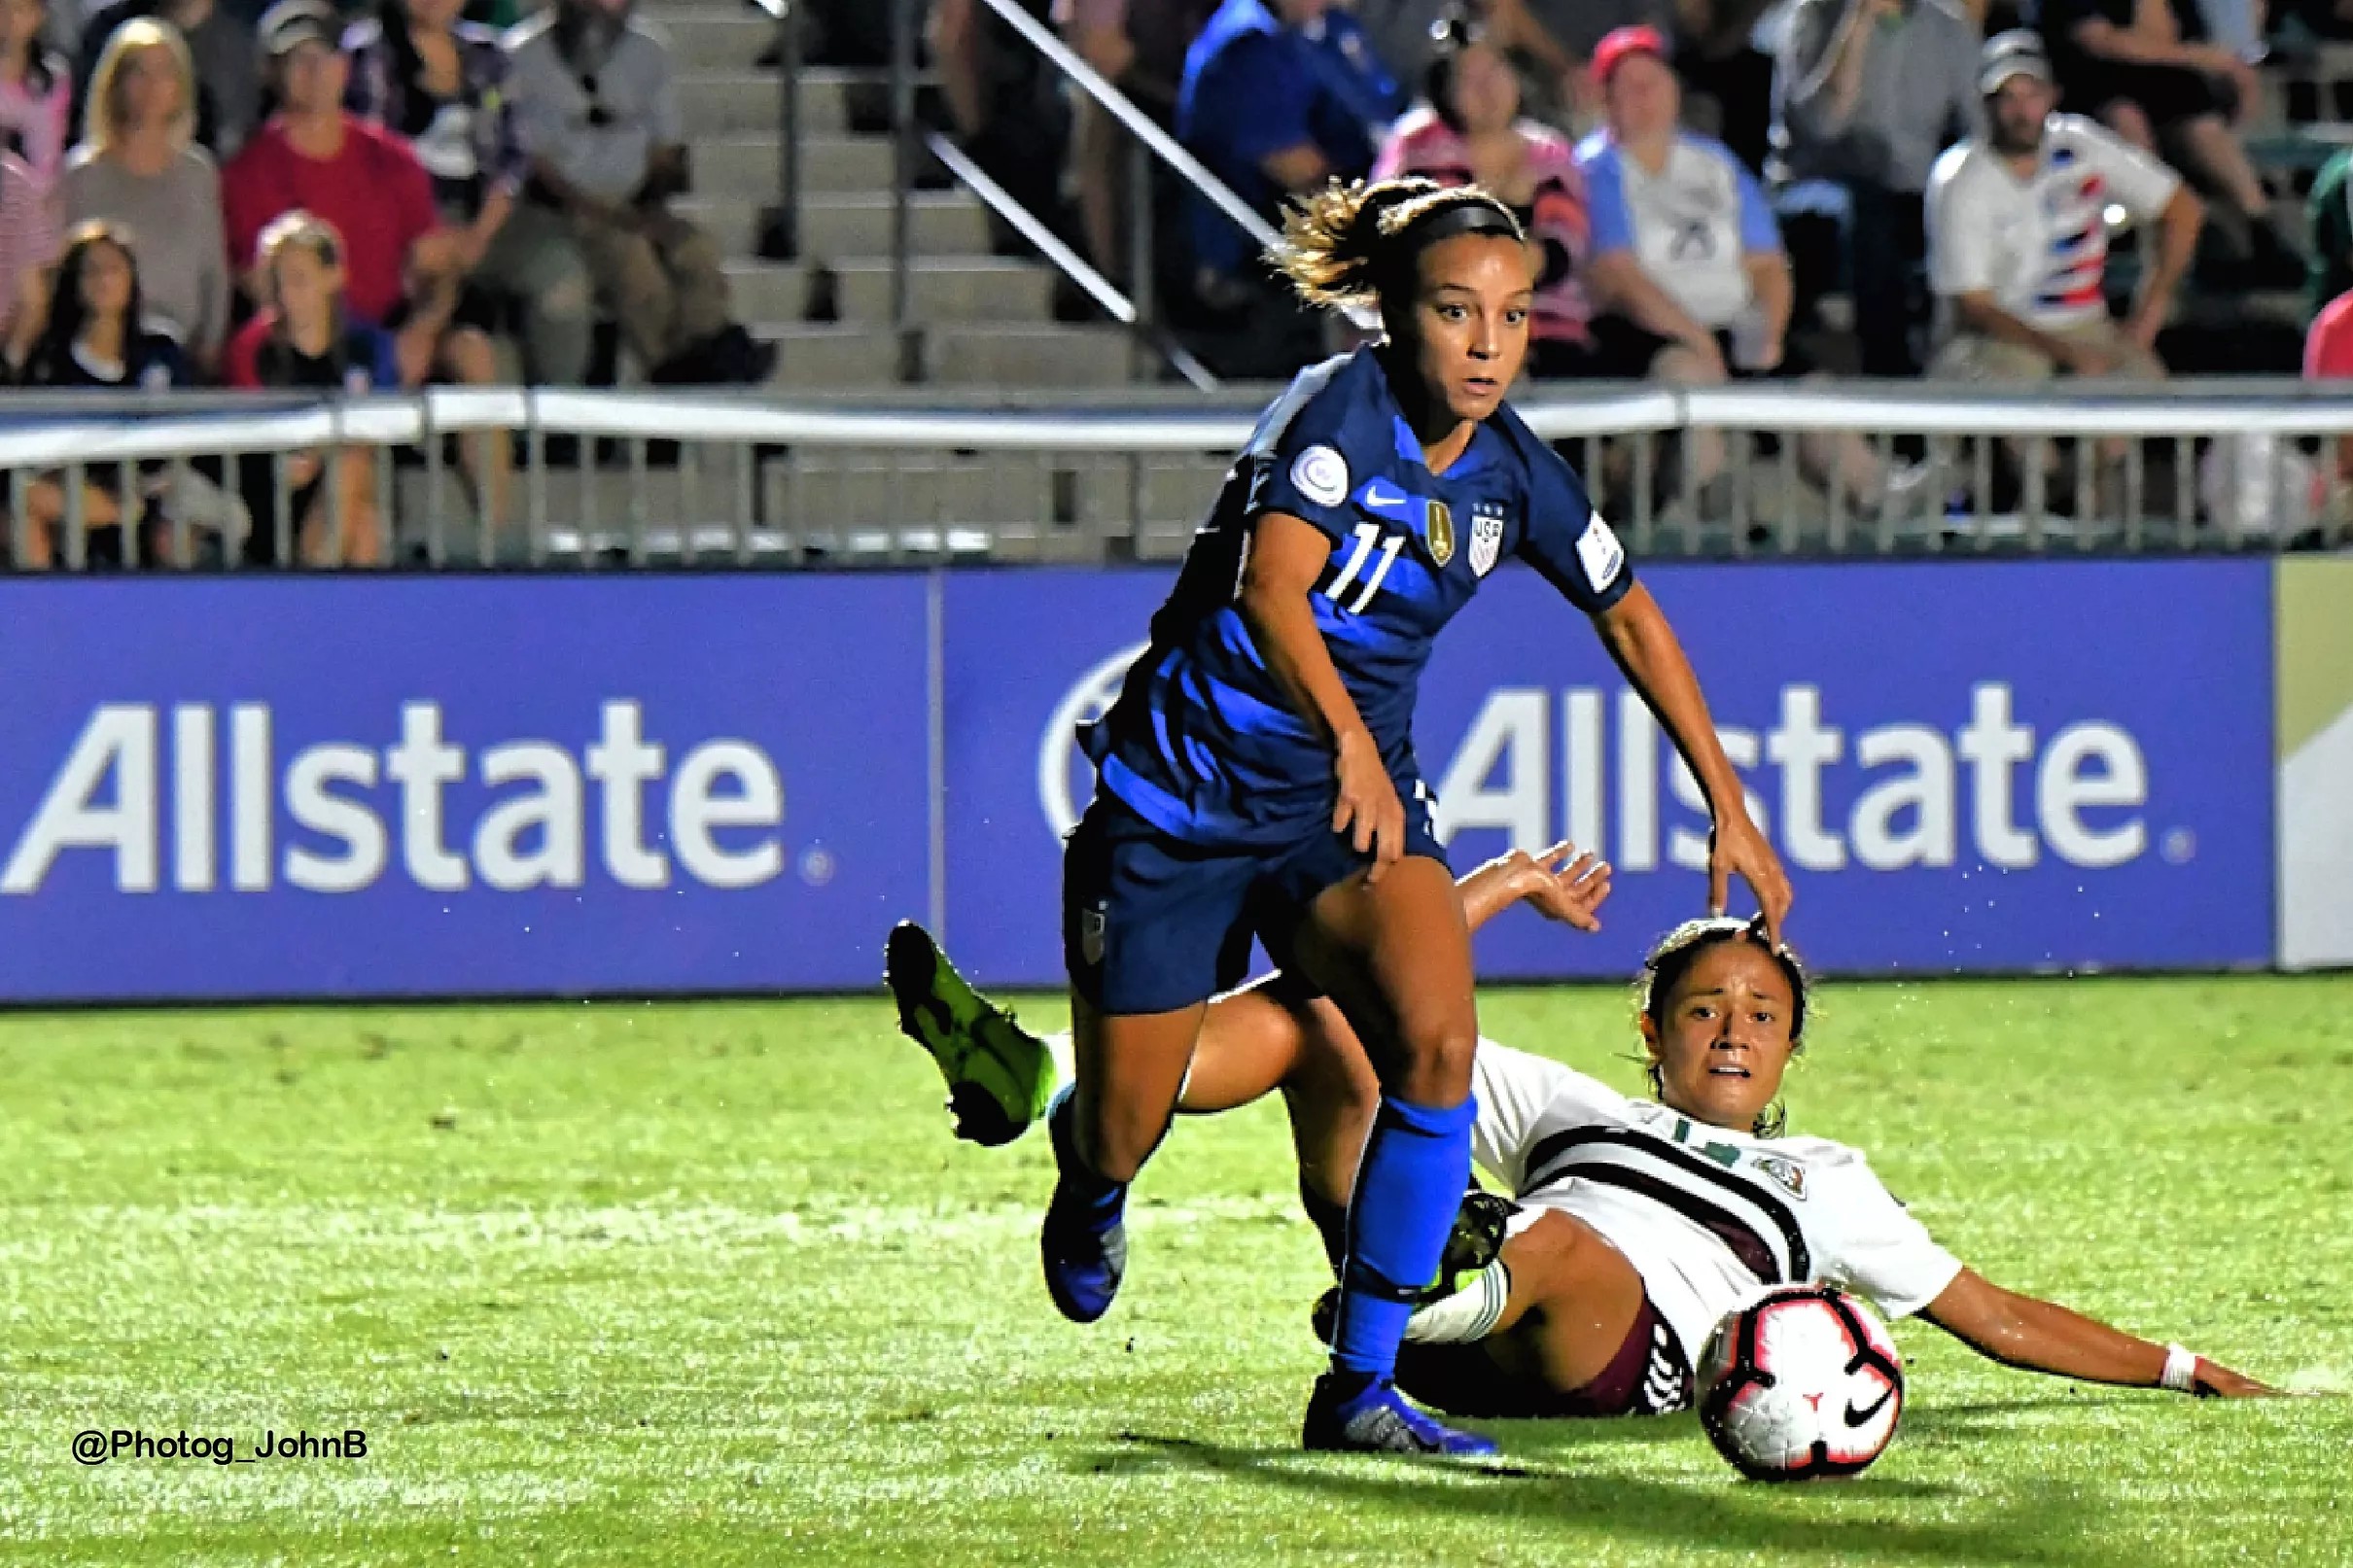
x=1437, y=1052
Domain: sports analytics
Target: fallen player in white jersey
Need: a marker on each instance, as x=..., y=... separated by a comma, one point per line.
x=1634, y=1225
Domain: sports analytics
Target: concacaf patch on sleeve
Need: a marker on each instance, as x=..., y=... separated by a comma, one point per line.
x=1600, y=553
x=1322, y=475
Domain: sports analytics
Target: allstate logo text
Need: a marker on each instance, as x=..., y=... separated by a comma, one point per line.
x=210, y=783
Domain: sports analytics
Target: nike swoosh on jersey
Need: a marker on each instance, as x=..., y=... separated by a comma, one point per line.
x=1855, y=1417
x=1384, y=500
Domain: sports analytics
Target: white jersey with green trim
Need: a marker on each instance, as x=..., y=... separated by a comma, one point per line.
x=1708, y=1217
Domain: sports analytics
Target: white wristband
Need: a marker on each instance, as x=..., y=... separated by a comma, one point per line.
x=2181, y=1371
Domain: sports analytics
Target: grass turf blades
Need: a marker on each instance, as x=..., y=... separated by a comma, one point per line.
x=713, y=1284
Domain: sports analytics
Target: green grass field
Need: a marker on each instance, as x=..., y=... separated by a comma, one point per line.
x=712, y=1286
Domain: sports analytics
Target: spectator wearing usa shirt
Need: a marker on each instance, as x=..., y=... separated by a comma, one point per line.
x=1687, y=275
x=1468, y=130
x=2149, y=71
x=1279, y=98
x=2018, y=242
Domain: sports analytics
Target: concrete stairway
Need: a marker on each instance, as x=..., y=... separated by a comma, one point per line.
x=985, y=322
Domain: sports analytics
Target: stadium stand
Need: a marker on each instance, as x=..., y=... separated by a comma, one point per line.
x=988, y=319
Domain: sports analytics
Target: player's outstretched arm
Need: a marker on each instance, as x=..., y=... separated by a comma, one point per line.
x=1637, y=635
x=1561, y=884
x=2023, y=1331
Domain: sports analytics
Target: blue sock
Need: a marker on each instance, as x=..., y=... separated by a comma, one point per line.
x=1080, y=1194
x=1409, y=1187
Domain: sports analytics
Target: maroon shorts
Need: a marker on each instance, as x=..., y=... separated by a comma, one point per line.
x=1649, y=1375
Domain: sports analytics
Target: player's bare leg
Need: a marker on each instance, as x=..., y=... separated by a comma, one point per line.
x=1262, y=1040
x=1105, y=1125
x=1568, y=1298
x=1129, y=1069
x=1572, y=1300
x=1394, y=954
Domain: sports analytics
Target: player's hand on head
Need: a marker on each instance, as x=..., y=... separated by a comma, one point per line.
x=1367, y=809
x=1736, y=849
x=1568, y=885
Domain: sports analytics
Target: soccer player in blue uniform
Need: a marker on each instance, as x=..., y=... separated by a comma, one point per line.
x=1257, y=776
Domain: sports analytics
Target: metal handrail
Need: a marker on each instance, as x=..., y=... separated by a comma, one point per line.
x=1139, y=125
x=779, y=225
x=1098, y=288
x=758, y=479
x=100, y=427
x=903, y=17
x=1150, y=141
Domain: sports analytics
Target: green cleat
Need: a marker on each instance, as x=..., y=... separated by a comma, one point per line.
x=999, y=1075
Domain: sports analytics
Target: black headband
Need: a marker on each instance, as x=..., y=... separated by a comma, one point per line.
x=1459, y=217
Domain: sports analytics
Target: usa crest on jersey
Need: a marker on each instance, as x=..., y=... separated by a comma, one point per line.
x=1487, y=535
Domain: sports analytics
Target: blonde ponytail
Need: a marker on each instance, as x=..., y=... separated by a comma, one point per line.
x=1348, y=244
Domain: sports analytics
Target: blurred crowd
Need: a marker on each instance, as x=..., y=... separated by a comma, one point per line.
x=2011, y=197
x=194, y=195
x=198, y=192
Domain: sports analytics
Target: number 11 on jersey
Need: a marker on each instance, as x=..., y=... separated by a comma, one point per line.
x=1367, y=535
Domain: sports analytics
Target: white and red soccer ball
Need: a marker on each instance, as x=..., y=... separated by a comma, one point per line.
x=1801, y=1383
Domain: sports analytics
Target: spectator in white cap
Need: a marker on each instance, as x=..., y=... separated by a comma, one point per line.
x=2018, y=235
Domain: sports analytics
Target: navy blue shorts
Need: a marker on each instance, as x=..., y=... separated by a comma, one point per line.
x=1151, y=922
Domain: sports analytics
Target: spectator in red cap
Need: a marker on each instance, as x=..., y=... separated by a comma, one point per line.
x=1686, y=272
x=1685, y=256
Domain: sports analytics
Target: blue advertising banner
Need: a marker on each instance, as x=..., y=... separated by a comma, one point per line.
x=629, y=785
x=1966, y=766
x=488, y=786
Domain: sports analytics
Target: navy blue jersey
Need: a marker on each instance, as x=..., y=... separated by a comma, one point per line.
x=1202, y=741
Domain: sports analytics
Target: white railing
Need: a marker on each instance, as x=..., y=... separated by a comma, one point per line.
x=713, y=478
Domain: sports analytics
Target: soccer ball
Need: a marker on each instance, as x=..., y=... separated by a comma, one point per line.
x=1802, y=1382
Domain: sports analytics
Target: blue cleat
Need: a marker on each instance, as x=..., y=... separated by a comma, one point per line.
x=1375, y=1418
x=1083, y=1243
